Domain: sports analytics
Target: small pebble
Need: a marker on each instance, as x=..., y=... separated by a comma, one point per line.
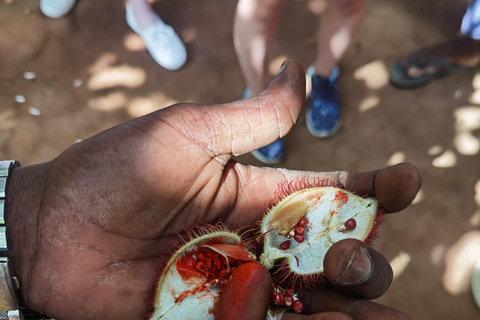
x=77, y=83
x=34, y=111
x=29, y=75
x=20, y=99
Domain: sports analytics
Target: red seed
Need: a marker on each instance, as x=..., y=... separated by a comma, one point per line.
x=299, y=238
x=302, y=222
x=285, y=245
x=224, y=273
x=208, y=253
x=299, y=230
x=200, y=266
x=190, y=261
x=200, y=256
x=274, y=292
x=217, y=263
x=288, y=292
x=209, y=263
x=297, y=306
x=350, y=224
x=278, y=299
x=288, y=301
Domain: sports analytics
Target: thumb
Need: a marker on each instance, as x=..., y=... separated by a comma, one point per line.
x=243, y=126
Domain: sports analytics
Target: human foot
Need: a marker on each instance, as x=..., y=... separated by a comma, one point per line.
x=323, y=114
x=425, y=65
x=56, y=8
x=162, y=42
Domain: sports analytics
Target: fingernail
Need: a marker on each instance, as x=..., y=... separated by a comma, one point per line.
x=358, y=268
x=282, y=67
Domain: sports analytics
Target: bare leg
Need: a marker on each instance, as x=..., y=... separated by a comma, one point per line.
x=338, y=25
x=255, y=28
x=143, y=12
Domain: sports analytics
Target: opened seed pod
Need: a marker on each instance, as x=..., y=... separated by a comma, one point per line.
x=190, y=284
x=301, y=227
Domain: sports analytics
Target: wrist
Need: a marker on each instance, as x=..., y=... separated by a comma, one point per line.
x=22, y=208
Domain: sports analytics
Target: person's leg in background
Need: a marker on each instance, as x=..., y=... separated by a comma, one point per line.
x=338, y=25
x=254, y=32
x=162, y=42
x=457, y=54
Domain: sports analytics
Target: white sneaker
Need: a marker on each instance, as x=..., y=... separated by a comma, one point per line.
x=56, y=8
x=161, y=41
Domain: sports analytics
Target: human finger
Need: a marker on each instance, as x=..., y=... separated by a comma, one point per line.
x=357, y=269
x=243, y=126
x=395, y=187
x=317, y=316
x=330, y=299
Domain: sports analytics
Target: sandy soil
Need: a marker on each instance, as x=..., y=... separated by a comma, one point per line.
x=431, y=244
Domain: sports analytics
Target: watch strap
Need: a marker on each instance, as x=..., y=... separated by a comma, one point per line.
x=9, y=306
x=6, y=168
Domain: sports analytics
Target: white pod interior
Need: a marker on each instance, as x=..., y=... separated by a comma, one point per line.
x=327, y=209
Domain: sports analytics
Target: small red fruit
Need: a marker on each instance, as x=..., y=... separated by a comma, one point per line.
x=200, y=256
x=278, y=299
x=288, y=301
x=303, y=222
x=285, y=245
x=299, y=230
x=350, y=224
x=297, y=306
x=299, y=238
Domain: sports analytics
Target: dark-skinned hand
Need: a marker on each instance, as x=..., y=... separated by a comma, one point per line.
x=86, y=230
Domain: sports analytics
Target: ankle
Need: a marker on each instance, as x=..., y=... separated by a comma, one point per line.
x=143, y=13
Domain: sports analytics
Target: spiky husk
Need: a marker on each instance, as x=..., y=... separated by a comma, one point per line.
x=176, y=298
x=326, y=214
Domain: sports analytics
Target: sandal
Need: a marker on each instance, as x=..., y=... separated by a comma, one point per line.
x=399, y=71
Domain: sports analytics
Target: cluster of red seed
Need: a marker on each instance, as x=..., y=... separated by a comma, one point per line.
x=286, y=299
x=211, y=264
x=297, y=234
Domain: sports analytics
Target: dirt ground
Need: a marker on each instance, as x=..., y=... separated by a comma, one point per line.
x=92, y=73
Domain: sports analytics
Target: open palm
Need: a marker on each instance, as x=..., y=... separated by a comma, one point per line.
x=89, y=227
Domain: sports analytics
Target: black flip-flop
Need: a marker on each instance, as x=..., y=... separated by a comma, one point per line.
x=399, y=71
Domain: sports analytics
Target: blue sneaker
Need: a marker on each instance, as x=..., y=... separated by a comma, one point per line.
x=274, y=152
x=323, y=114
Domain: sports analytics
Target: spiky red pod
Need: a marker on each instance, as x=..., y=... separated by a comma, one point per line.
x=316, y=218
x=191, y=282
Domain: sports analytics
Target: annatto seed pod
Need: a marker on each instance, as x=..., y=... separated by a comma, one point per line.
x=323, y=213
x=190, y=284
